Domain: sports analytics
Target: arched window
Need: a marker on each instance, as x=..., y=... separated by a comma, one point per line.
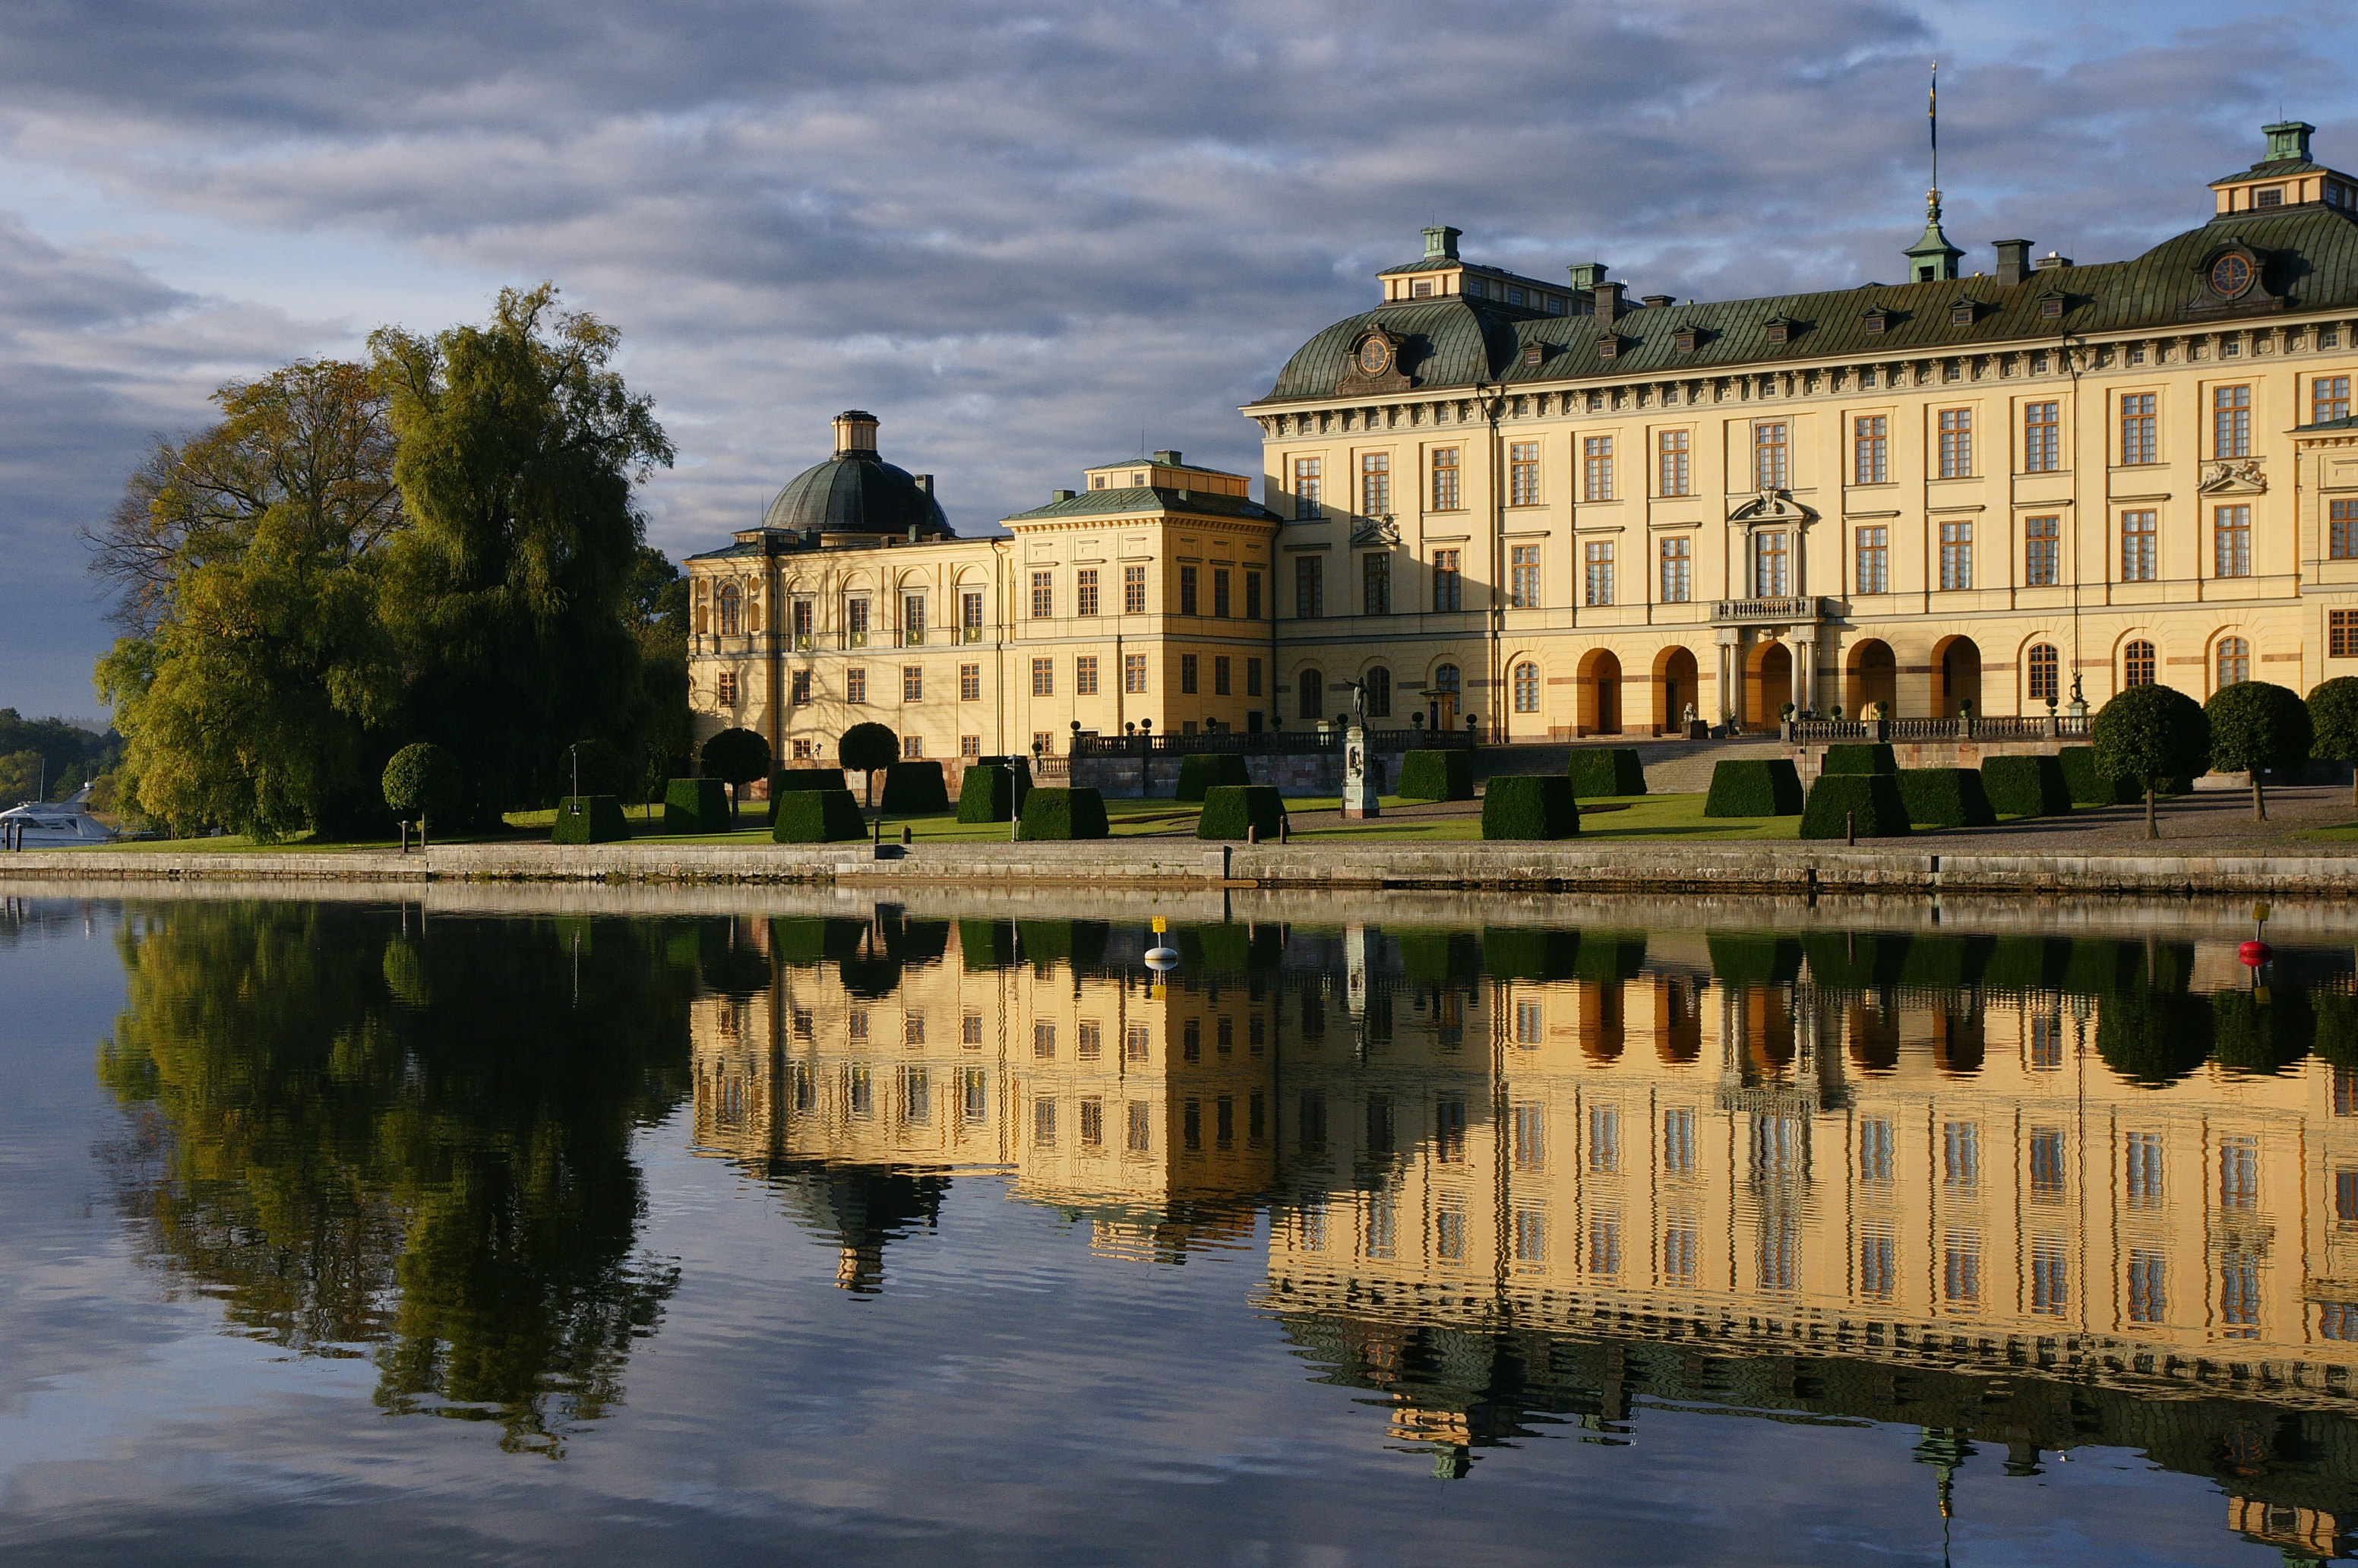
x=732, y=610
x=1380, y=693
x=2136, y=665
x=1527, y=687
x=1313, y=695
x=2235, y=661
x=2046, y=673
x=1446, y=679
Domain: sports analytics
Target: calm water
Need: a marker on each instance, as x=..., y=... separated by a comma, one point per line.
x=363, y=1231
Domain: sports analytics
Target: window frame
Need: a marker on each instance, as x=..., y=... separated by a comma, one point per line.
x=2140, y=546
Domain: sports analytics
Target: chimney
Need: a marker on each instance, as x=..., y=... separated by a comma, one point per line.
x=1608, y=302
x=1441, y=243
x=854, y=431
x=2013, y=261
x=1056, y=495
x=2052, y=261
x=1659, y=301
x=1169, y=459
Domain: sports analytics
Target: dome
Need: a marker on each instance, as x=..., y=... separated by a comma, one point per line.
x=857, y=492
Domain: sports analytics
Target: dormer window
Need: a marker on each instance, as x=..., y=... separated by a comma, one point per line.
x=1554, y=305
x=1138, y=481
x=1096, y=481
x=1781, y=331
x=1961, y=314
x=2269, y=196
x=1534, y=354
x=1421, y=289
x=1609, y=347
x=1514, y=297
x=1686, y=340
x=2050, y=308
x=1877, y=319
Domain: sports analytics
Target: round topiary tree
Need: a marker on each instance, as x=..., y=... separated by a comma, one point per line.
x=736, y=757
x=2258, y=725
x=2151, y=732
x=422, y=778
x=2333, y=722
x=871, y=747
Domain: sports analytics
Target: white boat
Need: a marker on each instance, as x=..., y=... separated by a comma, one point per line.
x=38, y=825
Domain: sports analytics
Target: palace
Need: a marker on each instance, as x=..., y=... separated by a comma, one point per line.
x=1554, y=510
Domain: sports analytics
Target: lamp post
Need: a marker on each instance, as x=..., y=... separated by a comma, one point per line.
x=574, y=800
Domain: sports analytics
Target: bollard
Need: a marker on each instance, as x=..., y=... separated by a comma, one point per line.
x=421, y=835
x=1850, y=827
x=1284, y=830
x=1253, y=833
x=908, y=835
x=405, y=836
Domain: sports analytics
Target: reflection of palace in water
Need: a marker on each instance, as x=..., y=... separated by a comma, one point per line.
x=1545, y=1175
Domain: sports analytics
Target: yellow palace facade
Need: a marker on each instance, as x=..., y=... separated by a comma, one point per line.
x=1571, y=511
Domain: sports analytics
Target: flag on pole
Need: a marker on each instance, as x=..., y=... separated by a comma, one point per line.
x=1933, y=108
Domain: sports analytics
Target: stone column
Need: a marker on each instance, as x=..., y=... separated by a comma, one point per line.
x=1731, y=666
x=1805, y=673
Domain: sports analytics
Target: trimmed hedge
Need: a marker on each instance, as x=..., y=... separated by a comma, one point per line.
x=819, y=816
x=915, y=789
x=987, y=793
x=2088, y=782
x=1065, y=813
x=1522, y=953
x=600, y=820
x=1202, y=770
x=790, y=781
x=1872, y=799
x=1230, y=809
x=2026, y=786
x=695, y=805
x=1946, y=797
x=1531, y=805
x=1753, y=958
x=1860, y=758
x=1437, y=775
x=1769, y=787
x=1599, y=771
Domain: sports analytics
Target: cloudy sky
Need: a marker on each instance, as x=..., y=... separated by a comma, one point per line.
x=1019, y=233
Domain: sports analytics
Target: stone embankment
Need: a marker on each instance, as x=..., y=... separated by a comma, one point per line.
x=1639, y=868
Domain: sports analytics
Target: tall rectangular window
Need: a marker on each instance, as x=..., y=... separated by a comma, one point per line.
x=1375, y=583
x=1961, y=1153
x=1187, y=590
x=1133, y=673
x=1220, y=684
x=1961, y=1271
x=1523, y=577
x=2341, y=530
x=1085, y=591
x=2051, y=1279
x=2047, y=1163
x=1252, y=596
x=1187, y=675
x=2042, y=545
x=2140, y=550
x=1448, y=581
x=1043, y=678
x=1770, y=469
x=2231, y=532
x=1252, y=688
x=1310, y=588
x=1085, y=675
x=1044, y=595
x=1524, y=473
x=1678, y=1142
x=1673, y=476
x=1870, y=437
x=970, y=616
x=1679, y=1248
x=912, y=682
x=2042, y=437
x=855, y=684
x=1956, y=443
x=913, y=621
x=2231, y=421
x=2148, y=1286
x=802, y=689
x=2239, y=1294
x=1878, y=1264
x=1596, y=469
x=969, y=682
x=1769, y=578
x=855, y=622
x=2137, y=442
x=1678, y=570
x=1220, y=596
x=2144, y=1170
x=1306, y=484
x=1598, y=563
x=2239, y=1173
x=1133, y=591
x=2329, y=398
x=1871, y=559
x=1956, y=556
x=1375, y=484
x=1875, y=1151
x=1445, y=479
x=804, y=612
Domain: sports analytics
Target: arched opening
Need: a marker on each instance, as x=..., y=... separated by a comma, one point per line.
x=1956, y=677
x=1596, y=708
x=733, y=609
x=1446, y=684
x=2137, y=662
x=1526, y=683
x=1873, y=677
x=2235, y=662
x=1675, y=689
x=1770, y=683
x=1312, y=686
x=2042, y=676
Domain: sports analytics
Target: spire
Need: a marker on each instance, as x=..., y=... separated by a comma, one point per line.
x=1932, y=259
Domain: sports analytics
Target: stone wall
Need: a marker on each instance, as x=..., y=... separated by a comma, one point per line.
x=1129, y=778
x=1810, y=761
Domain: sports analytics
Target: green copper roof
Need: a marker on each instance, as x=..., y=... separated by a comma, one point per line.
x=1147, y=498
x=2312, y=255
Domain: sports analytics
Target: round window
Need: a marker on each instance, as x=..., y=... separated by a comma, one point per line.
x=1375, y=357
x=2230, y=275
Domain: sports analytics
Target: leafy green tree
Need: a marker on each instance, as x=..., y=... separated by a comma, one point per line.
x=736, y=757
x=518, y=448
x=2151, y=732
x=424, y=779
x=257, y=677
x=2333, y=719
x=871, y=747
x=2258, y=725
x=20, y=776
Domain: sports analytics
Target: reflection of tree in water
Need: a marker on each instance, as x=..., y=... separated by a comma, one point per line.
x=419, y=1140
x=859, y=1208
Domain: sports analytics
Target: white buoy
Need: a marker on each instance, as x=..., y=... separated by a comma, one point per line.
x=1160, y=960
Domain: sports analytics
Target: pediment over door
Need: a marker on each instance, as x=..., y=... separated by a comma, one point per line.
x=1772, y=506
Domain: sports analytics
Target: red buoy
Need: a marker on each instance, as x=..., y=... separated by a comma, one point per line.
x=2254, y=954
